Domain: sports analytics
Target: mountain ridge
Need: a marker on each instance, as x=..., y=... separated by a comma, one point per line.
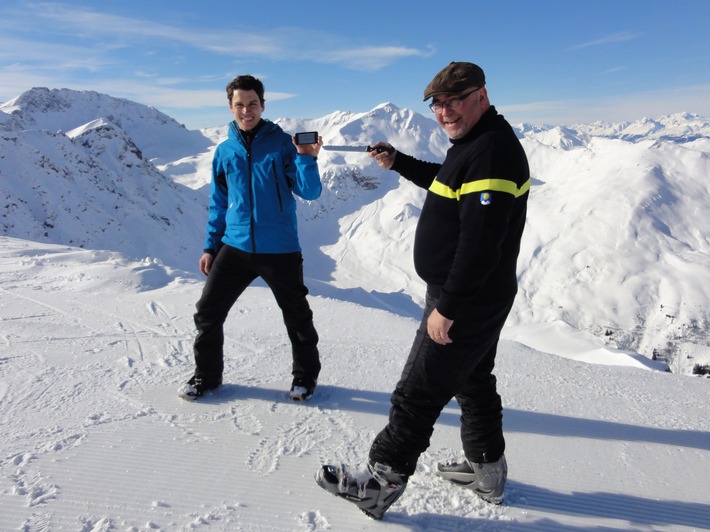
x=615, y=244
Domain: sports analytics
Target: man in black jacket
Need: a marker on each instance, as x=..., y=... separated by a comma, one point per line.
x=466, y=248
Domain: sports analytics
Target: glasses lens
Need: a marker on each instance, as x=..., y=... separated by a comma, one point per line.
x=453, y=104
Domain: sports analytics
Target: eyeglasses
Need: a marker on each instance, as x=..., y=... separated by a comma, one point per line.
x=452, y=104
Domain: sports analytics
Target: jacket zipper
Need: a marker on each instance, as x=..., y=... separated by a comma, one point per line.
x=252, y=223
x=278, y=189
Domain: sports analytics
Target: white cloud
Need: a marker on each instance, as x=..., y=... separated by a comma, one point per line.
x=372, y=57
x=609, y=39
x=281, y=43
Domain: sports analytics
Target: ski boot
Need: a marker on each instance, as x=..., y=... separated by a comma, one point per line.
x=373, y=488
x=487, y=480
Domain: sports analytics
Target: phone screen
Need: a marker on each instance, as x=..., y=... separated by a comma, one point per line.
x=311, y=137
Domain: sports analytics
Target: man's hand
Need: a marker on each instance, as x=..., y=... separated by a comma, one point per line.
x=206, y=263
x=308, y=149
x=384, y=159
x=438, y=328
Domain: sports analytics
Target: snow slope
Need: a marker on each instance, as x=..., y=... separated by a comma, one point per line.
x=95, y=438
x=92, y=188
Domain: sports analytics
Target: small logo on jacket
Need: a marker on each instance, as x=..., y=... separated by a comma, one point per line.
x=485, y=198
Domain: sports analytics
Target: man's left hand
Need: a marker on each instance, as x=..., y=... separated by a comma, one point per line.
x=438, y=328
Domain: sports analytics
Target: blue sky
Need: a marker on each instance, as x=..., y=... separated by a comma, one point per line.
x=546, y=61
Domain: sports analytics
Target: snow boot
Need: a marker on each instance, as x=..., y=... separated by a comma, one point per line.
x=196, y=387
x=487, y=480
x=372, y=488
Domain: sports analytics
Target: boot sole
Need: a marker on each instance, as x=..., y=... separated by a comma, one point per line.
x=461, y=479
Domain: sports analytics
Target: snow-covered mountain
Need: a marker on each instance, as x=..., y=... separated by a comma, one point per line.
x=92, y=186
x=616, y=251
x=94, y=342
x=680, y=128
x=616, y=245
x=159, y=137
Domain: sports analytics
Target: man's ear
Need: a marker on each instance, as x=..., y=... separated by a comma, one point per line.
x=482, y=95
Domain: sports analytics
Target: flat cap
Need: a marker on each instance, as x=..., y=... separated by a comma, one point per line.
x=456, y=77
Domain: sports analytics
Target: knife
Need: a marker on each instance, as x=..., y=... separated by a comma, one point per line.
x=388, y=149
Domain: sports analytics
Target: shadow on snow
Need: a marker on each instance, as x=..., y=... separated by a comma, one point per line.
x=634, y=510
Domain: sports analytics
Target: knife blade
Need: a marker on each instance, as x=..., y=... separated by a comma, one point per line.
x=388, y=149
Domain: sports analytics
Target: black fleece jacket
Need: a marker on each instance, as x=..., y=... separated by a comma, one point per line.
x=468, y=236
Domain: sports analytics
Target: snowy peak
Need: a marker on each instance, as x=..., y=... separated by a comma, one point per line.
x=409, y=131
x=96, y=191
x=557, y=137
x=680, y=127
x=109, y=143
x=58, y=109
x=158, y=136
x=99, y=122
x=347, y=175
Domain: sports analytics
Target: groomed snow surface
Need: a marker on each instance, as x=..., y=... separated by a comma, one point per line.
x=94, y=347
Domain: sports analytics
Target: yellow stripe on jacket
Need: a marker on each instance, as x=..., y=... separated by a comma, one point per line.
x=495, y=185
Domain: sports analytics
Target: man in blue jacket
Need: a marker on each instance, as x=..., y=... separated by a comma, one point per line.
x=252, y=232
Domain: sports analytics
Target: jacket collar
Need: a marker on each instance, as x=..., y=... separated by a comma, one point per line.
x=247, y=136
x=483, y=124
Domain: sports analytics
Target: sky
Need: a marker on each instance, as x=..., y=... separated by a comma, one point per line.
x=548, y=62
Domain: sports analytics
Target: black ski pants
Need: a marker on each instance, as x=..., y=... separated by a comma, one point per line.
x=433, y=375
x=232, y=272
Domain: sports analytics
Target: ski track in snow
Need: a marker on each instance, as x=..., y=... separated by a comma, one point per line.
x=96, y=439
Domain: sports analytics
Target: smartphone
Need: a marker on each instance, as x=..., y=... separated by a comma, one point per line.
x=309, y=137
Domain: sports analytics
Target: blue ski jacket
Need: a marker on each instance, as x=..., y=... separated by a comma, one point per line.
x=252, y=203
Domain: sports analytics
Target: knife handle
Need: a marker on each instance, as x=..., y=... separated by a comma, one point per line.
x=388, y=149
